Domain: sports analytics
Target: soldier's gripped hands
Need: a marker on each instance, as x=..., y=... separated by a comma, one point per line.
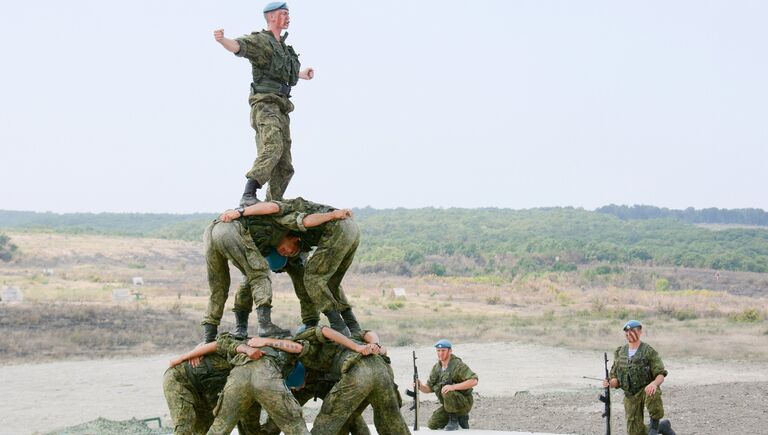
x=252, y=352
x=363, y=349
x=307, y=73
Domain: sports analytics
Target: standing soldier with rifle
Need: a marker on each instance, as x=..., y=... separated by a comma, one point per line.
x=452, y=381
x=638, y=370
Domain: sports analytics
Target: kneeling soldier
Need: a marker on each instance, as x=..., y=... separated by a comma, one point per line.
x=638, y=370
x=452, y=381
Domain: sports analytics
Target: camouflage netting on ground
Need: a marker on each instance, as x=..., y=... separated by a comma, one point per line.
x=102, y=426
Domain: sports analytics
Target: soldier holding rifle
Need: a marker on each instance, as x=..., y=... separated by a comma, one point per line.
x=452, y=381
x=638, y=370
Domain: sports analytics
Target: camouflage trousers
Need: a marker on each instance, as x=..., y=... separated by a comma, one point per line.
x=326, y=267
x=230, y=242
x=367, y=381
x=309, y=312
x=355, y=425
x=633, y=407
x=269, y=117
x=192, y=413
x=454, y=402
x=257, y=383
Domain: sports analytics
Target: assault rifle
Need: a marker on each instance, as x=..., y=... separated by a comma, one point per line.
x=606, y=398
x=415, y=393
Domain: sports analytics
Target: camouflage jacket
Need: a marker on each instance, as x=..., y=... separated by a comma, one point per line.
x=209, y=377
x=273, y=62
x=293, y=212
x=456, y=373
x=636, y=372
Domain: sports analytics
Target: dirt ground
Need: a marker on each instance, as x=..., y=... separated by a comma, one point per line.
x=522, y=387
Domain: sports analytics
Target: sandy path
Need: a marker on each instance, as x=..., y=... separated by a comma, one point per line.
x=42, y=397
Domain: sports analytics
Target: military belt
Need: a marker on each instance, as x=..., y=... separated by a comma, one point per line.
x=266, y=87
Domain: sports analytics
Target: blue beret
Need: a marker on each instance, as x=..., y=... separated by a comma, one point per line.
x=443, y=344
x=276, y=261
x=632, y=324
x=296, y=378
x=275, y=6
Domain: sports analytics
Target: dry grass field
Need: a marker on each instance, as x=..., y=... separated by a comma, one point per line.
x=73, y=303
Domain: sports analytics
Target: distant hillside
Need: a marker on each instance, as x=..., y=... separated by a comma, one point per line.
x=740, y=216
x=475, y=241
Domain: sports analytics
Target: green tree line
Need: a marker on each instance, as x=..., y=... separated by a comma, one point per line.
x=740, y=216
x=476, y=241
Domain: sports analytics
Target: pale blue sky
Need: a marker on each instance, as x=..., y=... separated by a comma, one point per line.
x=132, y=106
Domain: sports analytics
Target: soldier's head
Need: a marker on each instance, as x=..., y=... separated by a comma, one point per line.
x=633, y=330
x=277, y=16
x=289, y=246
x=444, y=350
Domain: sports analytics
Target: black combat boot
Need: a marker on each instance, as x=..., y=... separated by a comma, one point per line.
x=464, y=421
x=653, y=428
x=241, y=325
x=453, y=422
x=337, y=323
x=209, y=332
x=266, y=327
x=665, y=428
x=249, y=194
x=351, y=321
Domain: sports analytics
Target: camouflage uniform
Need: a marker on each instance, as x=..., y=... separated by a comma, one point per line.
x=316, y=385
x=231, y=241
x=363, y=380
x=275, y=67
x=634, y=374
x=455, y=402
x=192, y=393
x=256, y=382
x=266, y=232
x=336, y=243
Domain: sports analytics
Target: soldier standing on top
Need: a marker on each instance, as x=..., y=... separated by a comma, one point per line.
x=275, y=67
x=638, y=370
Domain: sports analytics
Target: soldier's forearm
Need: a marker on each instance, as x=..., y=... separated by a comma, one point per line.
x=659, y=380
x=230, y=44
x=469, y=383
x=284, y=345
x=338, y=337
x=261, y=208
x=200, y=351
x=317, y=219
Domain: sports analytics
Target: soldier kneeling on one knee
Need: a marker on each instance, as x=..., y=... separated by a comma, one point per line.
x=452, y=381
x=638, y=370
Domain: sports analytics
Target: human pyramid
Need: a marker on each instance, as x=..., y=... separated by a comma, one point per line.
x=226, y=381
x=229, y=379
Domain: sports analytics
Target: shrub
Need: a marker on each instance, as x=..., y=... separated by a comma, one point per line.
x=749, y=315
